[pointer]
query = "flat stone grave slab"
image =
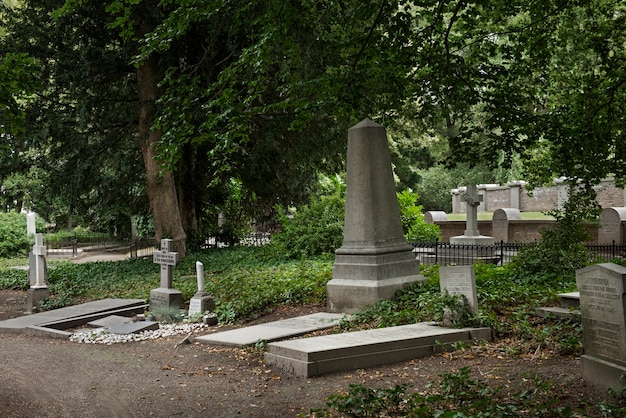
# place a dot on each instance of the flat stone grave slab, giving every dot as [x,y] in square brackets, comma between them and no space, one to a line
[116,324]
[273,331]
[355,350]
[49,318]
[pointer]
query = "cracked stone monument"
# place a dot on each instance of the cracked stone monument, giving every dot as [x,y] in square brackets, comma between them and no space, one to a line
[165,295]
[472,235]
[375,259]
[201,301]
[37,274]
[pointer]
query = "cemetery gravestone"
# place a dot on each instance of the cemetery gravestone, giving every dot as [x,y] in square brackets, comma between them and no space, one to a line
[602,305]
[37,274]
[458,280]
[165,295]
[375,259]
[472,235]
[201,301]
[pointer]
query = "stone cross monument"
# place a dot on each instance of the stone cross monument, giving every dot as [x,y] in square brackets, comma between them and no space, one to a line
[201,301]
[375,259]
[472,235]
[37,274]
[165,295]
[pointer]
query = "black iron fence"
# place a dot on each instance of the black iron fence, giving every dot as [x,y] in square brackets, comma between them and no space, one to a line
[446,253]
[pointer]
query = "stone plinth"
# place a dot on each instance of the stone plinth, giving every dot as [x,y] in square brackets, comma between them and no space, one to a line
[201,302]
[165,297]
[374,260]
[34,296]
[602,289]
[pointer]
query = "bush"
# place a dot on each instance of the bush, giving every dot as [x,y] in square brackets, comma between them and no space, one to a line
[318,228]
[13,238]
[413,225]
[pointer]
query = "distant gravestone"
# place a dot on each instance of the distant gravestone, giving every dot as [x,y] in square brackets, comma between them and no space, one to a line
[472,235]
[460,280]
[201,301]
[165,295]
[31,228]
[37,274]
[602,305]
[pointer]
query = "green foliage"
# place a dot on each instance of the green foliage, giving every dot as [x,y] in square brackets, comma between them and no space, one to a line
[318,228]
[413,225]
[561,251]
[455,394]
[245,281]
[167,314]
[13,238]
[312,230]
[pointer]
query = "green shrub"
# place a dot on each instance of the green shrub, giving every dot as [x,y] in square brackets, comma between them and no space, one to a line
[318,228]
[13,238]
[413,225]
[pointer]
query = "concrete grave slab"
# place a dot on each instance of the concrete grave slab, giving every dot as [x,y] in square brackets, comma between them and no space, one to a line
[70,315]
[353,350]
[123,325]
[273,331]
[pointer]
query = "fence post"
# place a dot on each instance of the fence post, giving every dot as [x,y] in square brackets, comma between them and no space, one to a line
[436,250]
[75,247]
[613,250]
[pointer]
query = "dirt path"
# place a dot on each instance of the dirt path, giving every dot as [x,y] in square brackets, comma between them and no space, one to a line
[57,378]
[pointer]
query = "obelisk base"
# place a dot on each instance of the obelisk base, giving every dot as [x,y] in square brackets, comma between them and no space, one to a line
[361,280]
[36,295]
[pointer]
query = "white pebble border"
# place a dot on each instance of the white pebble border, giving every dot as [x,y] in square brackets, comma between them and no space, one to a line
[165,330]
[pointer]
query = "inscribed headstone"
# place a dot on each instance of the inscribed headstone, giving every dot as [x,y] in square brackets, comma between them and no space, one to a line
[460,280]
[602,289]
[165,295]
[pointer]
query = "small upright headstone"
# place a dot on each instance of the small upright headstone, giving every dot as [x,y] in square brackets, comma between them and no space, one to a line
[602,289]
[201,301]
[165,295]
[460,280]
[31,228]
[37,274]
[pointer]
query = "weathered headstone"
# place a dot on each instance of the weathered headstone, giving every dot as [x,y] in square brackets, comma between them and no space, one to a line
[201,301]
[460,280]
[602,289]
[472,234]
[31,227]
[165,295]
[375,259]
[37,274]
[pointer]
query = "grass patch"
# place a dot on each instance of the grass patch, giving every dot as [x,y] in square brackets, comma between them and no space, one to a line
[245,281]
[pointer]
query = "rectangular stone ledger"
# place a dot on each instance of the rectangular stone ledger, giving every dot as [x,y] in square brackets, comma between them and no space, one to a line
[354,350]
[602,288]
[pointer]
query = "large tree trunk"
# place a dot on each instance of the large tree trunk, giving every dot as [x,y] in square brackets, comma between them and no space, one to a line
[185,188]
[160,184]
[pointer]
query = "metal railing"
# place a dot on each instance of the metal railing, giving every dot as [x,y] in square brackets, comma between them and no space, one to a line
[446,253]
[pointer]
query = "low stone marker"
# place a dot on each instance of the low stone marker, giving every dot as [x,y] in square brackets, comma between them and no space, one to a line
[37,274]
[201,301]
[602,305]
[165,295]
[460,280]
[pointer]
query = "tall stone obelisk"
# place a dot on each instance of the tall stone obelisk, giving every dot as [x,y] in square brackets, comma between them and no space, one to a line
[375,259]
